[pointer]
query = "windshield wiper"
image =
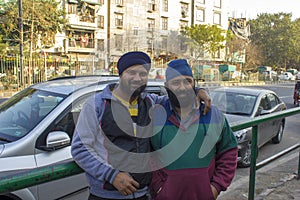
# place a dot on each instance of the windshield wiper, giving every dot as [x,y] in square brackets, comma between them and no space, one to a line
[5,139]
[237,113]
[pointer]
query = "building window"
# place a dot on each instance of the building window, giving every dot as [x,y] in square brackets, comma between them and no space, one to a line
[165,5]
[217,18]
[101,21]
[183,24]
[217,3]
[200,15]
[151,24]
[164,22]
[184,10]
[72,9]
[118,42]
[87,13]
[100,45]
[152,6]
[119,20]
[119,2]
[81,39]
[135,31]
[150,44]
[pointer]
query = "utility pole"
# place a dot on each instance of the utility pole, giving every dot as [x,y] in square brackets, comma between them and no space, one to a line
[108,33]
[193,12]
[21,41]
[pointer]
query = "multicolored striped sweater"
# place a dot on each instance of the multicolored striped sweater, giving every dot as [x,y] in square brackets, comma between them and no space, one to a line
[194,155]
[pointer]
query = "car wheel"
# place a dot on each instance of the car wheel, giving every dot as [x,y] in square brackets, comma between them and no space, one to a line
[277,139]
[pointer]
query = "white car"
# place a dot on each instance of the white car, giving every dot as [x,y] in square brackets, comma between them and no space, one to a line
[36,128]
[287,76]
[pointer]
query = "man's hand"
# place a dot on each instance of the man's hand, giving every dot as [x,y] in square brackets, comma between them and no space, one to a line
[214,191]
[125,184]
[202,95]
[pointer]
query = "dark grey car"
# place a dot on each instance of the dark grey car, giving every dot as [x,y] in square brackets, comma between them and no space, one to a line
[240,104]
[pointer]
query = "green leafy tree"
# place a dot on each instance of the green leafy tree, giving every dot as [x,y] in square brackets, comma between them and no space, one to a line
[277,36]
[42,19]
[204,39]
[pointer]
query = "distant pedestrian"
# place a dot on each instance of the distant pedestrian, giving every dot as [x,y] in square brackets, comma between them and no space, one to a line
[158,75]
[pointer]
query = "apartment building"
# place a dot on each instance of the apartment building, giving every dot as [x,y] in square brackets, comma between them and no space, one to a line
[100,31]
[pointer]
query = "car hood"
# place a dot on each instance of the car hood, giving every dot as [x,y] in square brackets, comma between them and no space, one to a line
[233,119]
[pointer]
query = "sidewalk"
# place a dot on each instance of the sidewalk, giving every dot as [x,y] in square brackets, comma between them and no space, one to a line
[275,181]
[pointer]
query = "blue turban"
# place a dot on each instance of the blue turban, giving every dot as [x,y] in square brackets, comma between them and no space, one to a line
[178,67]
[133,58]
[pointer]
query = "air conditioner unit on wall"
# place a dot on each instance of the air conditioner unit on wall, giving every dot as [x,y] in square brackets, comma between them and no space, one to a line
[184,13]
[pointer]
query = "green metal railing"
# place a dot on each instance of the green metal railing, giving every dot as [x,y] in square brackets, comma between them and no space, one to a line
[50,173]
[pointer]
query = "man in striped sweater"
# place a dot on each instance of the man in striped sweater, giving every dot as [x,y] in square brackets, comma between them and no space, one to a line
[198,153]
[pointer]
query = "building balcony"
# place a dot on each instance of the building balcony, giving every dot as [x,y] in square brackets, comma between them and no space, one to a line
[83,22]
[77,45]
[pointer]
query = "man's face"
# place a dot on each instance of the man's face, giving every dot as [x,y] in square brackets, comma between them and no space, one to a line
[181,91]
[133,80]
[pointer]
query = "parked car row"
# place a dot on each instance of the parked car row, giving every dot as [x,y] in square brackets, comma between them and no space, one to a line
[287,76]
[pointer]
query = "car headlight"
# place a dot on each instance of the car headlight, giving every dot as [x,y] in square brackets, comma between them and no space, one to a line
[241,134]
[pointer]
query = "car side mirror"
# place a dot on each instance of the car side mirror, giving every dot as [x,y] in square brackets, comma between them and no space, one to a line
[57,140]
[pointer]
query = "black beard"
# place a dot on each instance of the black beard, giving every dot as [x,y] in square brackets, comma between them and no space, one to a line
[183,103]
[173,99]
[137,92]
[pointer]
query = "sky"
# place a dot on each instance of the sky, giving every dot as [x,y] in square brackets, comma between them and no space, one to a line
[251,8]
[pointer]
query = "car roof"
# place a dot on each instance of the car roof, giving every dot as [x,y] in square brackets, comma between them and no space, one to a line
[70,84]
[245,90]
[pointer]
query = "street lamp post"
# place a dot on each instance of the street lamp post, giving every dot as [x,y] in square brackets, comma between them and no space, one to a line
[21,40]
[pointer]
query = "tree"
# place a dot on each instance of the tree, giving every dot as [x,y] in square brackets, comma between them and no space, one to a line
[42,19]
[204,39]
[278,38]
[253,53]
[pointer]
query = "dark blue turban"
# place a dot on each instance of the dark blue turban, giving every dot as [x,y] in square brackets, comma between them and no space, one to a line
[133,58]
[178,67]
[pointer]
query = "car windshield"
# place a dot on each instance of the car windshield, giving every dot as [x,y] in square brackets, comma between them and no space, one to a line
[233,103]
[21,113]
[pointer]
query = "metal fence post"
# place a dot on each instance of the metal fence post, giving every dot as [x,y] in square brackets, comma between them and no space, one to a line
[253,163]
[298,175]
